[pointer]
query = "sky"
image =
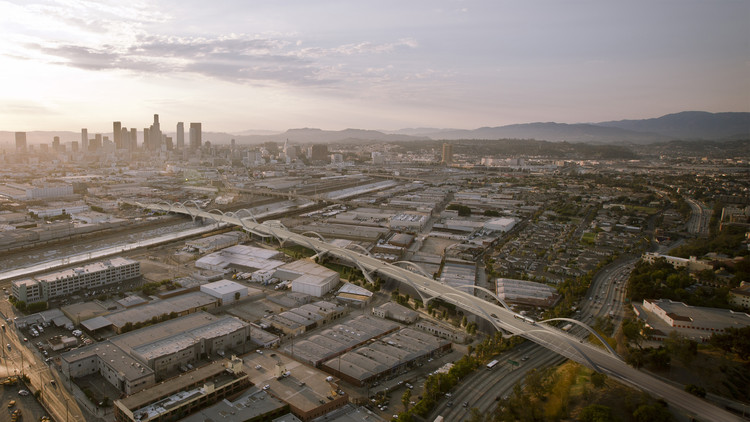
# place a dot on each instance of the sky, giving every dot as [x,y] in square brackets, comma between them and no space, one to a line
[236,65]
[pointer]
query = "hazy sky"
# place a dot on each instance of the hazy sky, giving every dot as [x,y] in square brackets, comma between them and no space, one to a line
[380,64]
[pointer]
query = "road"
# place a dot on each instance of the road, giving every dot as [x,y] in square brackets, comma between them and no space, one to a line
[58,400]
[699,218]
[501,317]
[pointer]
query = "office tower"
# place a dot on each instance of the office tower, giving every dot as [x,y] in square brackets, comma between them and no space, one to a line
[180,135]
[196,136]
[56,144]
[154,135]
[96,143]
[84,139]
[74,146]
[232,144]
[21,141]
[133,139]
[168,143]
[117,134]
[146,138]
[447,154]
[125,138]
[319,152]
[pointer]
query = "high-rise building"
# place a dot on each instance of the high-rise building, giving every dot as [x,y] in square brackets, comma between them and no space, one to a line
[96,143]
[74,146]
[447,154]
[180,135]
[146,138]
[125,138]
[21,141]
[133,139]
[84,139]
[117,134]
[56,144]
[196,135]
[154,135]
[319,152]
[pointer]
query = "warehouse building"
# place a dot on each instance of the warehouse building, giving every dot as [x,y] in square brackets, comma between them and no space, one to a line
[123,321]
[185,394]
[338,339]
[226,291]
[396,312]
[524,292]
[694,322]
[241,258]
[215,242]
[134,361]
[308,277]
[351,294]
[64,282]
[388,356]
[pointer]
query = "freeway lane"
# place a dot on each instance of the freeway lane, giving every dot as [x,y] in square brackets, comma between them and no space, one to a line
[502,318]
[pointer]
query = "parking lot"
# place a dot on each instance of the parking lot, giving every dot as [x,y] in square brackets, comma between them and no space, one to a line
[29,407]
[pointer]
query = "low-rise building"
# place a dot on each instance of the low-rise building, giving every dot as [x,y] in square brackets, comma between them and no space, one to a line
[308,277]
[526,292]
[696,322]
[692,264]
[396,312]
[740,297]
[226,291]
[59,283]
[441,331]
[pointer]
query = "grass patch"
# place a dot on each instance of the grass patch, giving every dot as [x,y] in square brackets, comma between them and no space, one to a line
[640,208]
[297,251]
[588,237]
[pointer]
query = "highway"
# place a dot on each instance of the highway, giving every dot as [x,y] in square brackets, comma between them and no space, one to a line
[699,218]
[428,289]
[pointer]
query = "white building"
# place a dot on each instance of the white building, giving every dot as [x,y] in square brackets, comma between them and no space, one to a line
[225,290]
[43,287]
[408,221]
[59,209]
[502,224]
[308,277]
[692,263]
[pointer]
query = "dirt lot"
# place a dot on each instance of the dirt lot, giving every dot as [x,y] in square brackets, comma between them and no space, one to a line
[436,245]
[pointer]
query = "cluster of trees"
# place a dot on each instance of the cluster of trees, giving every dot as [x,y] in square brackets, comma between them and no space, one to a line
[661,280]
[733,340]
[728,241]
[152,288]
[463,210]
[129,326]
[31,308]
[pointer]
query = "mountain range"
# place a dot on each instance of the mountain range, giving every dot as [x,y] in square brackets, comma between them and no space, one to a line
[688,125]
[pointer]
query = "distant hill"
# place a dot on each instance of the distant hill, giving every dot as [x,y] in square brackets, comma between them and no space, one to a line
[309,135]
[556,132]
[690,125]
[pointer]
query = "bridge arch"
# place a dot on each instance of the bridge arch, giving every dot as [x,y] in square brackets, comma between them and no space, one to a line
[417,267]
[322,239]
[572,344]
[250,214]
[484,313]
[491,293]
[362,248]
[589,329]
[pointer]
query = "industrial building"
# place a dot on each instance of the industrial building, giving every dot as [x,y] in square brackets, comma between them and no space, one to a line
[214,243]
[241,258]
[308,277]
[60,283]
[695,322]
[408,221]
[185,394]
[303,318]
[226,291]
[338,339]
[524,292]
[136,360]
[180,305]
[354,295]
[396,312]
[387,356]
[441,331]
[253,405]
[309,392]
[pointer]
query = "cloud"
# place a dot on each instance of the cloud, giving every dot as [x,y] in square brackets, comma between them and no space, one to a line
[235,58]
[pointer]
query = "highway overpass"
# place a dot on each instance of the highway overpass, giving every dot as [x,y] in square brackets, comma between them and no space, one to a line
[601,359]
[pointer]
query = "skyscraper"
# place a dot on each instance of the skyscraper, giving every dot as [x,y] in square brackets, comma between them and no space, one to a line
[180,135]
[84,139]
[154,135]
[146,138]
[56,144]
[125,139]
[21,141]
[196,135]
[447,154]
[117,134]
[133,139]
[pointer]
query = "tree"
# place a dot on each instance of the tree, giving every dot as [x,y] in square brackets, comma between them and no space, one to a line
[680,347]
[596,413]
[406,398]
[633,331]
[236,295]
[652,413]
[598,379]
[696,390]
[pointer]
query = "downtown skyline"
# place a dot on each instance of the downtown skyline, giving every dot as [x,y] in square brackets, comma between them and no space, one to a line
[452,64]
